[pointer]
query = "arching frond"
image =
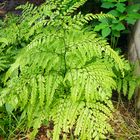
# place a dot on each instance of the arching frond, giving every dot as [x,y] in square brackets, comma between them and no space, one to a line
[87,118]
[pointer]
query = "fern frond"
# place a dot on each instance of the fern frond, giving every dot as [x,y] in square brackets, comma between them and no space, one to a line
[91,16]
[3,63]
[83,115]
[119,62]
[41,88]
[127,84]
[27,10]
[96,82]
[73,6]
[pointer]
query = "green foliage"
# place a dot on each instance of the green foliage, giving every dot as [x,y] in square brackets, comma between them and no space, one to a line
[128,83]
[124,14]
[63,72]
[8,36]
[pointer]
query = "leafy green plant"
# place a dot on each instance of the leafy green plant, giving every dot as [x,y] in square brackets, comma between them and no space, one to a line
[124,14]
[127,84]
[7,50]
[63,73]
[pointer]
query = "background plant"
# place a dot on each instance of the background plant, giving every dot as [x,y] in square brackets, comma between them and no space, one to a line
[63,72]
[125,15]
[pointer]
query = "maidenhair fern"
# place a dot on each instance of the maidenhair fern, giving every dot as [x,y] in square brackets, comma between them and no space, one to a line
[64,72]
